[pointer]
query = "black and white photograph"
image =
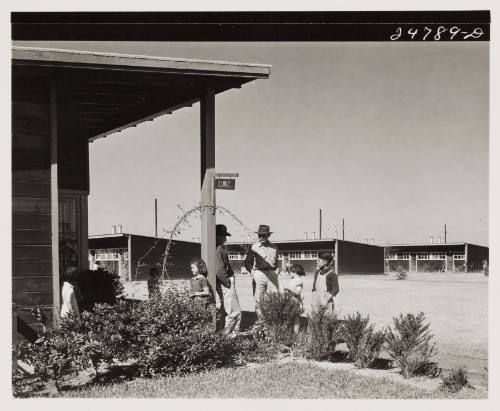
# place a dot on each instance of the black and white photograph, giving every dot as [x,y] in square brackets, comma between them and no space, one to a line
[250,205]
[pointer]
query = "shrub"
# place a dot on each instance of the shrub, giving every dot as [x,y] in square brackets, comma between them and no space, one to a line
[401,273]
[279,311]
[321,337]
[99,287]
[174,335]
[55,352]
[169,334]
[455,380]
[363,343]
[260,332]
[410,345]
[110,332]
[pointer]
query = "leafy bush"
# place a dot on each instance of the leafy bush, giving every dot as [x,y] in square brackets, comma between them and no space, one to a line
[321,337]
[401,273]
[279,311]
[410,345]
[455,380]
[166,335]
[55,352]
[109,332]
[363,343]
[260,332]
[99,287]
[174,335]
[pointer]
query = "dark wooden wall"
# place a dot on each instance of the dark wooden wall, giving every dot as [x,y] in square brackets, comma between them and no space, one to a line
[475,256]
[31,203]
[180,255]
[72,152]
[356,258]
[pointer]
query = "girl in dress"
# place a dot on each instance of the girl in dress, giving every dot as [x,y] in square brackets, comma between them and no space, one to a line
[295,285]
[199,283]
[69,292]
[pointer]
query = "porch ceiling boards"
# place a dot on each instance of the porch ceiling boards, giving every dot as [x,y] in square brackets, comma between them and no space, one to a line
[102,93]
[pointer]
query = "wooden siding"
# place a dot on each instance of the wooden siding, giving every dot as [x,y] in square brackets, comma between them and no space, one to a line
[27,268]
[356,258]
[178,266]
[475,256]
[73,161]
[31,204]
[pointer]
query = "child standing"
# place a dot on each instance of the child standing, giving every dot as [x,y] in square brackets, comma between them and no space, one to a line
[295,285]
[326,283]
[69,304]
[199,283]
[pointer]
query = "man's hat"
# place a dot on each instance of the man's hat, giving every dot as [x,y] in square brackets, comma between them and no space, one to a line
[263,229]
[221,229]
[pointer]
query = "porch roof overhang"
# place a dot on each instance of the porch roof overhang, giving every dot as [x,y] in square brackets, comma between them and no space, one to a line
[103,93]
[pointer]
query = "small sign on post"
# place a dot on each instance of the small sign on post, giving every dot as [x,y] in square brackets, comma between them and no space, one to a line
[222,181]
[225,183]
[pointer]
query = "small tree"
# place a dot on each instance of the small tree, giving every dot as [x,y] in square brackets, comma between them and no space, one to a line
[410,344]
[363,342]
[279,311]
[322,335]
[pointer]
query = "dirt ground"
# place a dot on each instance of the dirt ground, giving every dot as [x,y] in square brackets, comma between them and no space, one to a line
[455,304]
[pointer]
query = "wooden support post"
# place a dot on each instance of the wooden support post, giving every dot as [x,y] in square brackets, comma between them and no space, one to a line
[84,234]
[156,217]
[14,336]
[129,248]
[54,199]
[337,256]
[466,257]
[121,267]
[207,137]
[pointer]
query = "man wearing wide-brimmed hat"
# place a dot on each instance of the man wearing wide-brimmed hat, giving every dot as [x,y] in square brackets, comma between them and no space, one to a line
[226,288]
[262,262]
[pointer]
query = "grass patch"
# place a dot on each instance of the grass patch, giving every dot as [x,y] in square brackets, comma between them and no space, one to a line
[272,380]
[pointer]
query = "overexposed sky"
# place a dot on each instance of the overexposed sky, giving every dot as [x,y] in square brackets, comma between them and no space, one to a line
[392,137]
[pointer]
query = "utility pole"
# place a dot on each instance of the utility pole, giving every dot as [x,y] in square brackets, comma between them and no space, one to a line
[156,217]
[445,233]
[343,229]
[320,223]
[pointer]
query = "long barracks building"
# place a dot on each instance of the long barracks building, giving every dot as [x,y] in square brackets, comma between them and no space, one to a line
[132,256]
[453,257]
[350,257]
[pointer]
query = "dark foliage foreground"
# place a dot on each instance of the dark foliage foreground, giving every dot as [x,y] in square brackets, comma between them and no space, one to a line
[170,334]
[455,380]
[98,287]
